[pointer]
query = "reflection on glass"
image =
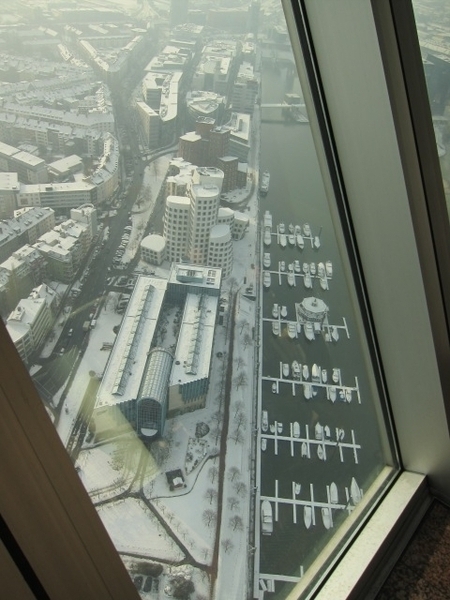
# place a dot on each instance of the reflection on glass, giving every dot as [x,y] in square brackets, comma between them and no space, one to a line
[432,28]
[172,278]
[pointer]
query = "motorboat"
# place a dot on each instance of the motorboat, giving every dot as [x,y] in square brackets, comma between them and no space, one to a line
[355,492]
[320,452]
[320,269]
[309,331]
[296,370]
[307,281]
[266,260]
[312,268]
[292,330]
[305,267]
[296,429]
[297,488]
[348,395]
[334,333]
[336,375]
[334,496]
[304,450]
[291,228]
[275,328]
[275,311]
[307,230]
[267,236]
[316,242]
[283,241]
[274,388]
[318,431]
[281,228]
[264,420]
[326,517]
[324,375]
[267,219]
[265,181]
[316,373]
[272,428]
[300,241]
[340,434]
[283,311]
[305,372]
[279,428]
[263,444]
[267,279]
[282,265]
[291,278]
[266,518]
[327,432]
[291,239]
[285,370]
[329,268]
[332,393]
[307,391]
[307,515]
[299,327]
[323,282]
[297,267]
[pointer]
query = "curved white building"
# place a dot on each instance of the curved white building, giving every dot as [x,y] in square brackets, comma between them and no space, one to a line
[176,227]
[153,249]
[220,251]
[204,206]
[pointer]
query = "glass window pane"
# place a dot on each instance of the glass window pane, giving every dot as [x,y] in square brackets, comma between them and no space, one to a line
[178,282]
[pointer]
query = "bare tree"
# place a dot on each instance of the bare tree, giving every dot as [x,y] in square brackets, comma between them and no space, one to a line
[227,545]
[243,324]
[240,488]
[247,340]
[209,517]
[236,523]
[210,494]
[216,434]
[240,362]
[233,503]
[238,406]
[237,436]
[233,473]
[213,472]
[241,420]
[217,416]
[241,379]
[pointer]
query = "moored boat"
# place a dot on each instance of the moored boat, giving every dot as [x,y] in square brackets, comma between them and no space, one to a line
[307,281]
[316,242]
[291,239]
[336,375]
[307,230]
[326,517]
[307,515]
[285,370]
[334,497]
[312,268]
[264,420]
[355,492]
[329,268]
[334,333]
[297,488]
[272,428]
[307,391]
[327,432]
[323,282]
[291,228]
[265,181]
[283,241]
[282,265]
[305,372]
[281,228]
[266,260]
[292,330]
[275,328]
[267,279]
[300,241]
[279,428]
[263,444]
[305,267]
[304,450]
[267,219]
[296,429]
[275,311]
[348,395]
[296,371]
[274,387]
[332,393]
[315,372]
[297,267]
[283,311]
[320,269]
[318,431]
[321,452]
[291,278]
[267,236]
[309,330]
[324,375]
[266,518]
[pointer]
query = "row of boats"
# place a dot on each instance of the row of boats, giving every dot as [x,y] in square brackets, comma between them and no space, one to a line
[355,496]
[309,270]
[310,329]
[295,235]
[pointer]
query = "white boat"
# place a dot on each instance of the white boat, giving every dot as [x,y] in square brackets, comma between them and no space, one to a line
[306,230]
[307,391]
[267,219]
[323,282]
[266,518]
[272,428]
[305,372]
[340,434]
[275,328]
[336,375]
[320,452]
[297,229]
[332,393]
[309,330]
[327,432]
[279,428]
[274,387]
[329,268]
[266,260]
[334,496]
[324,375]
[291,228]
[305,267]
[281,228]
[334,333]
[307,515]
[318,431]
[285,370]
[316,242]
[263,444]
[320,269]
[304,450]
[291,278]
[291,239]
[264,420]
[297,488]
[297,267]
[296,371]
[348,395]
[283,241]
[267,236]
[316,372]
[300,241]
[307,281]
[312,268]
[355,492]
[283,312]
[282,265]
[275,311]
[265,181]
[292,330]
[296,429]
[267,279]
[326,517]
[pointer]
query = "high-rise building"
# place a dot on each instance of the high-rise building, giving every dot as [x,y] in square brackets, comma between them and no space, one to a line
[179,10]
